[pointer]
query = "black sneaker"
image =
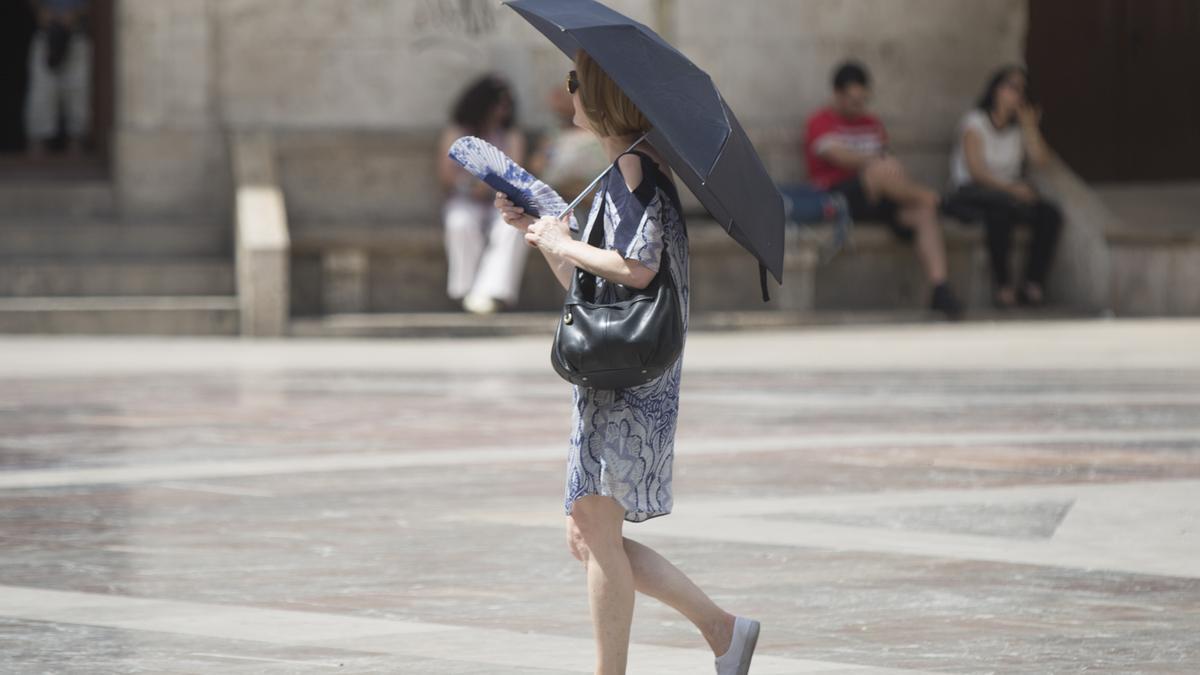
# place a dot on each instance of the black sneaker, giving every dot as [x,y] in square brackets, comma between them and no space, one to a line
[946,302]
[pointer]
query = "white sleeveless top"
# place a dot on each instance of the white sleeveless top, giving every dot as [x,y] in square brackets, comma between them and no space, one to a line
[1003,149]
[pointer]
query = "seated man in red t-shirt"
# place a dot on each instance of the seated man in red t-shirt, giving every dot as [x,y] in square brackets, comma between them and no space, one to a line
[847,152]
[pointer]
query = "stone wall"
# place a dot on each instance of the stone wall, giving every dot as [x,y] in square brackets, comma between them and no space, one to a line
[929,59]
[171,151]
[190,71]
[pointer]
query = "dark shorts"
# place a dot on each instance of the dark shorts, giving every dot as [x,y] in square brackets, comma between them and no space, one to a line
[863,210]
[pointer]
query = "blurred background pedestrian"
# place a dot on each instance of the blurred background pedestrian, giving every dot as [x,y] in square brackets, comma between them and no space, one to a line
[486,257]
[997,142]
[847,150]
[60,74]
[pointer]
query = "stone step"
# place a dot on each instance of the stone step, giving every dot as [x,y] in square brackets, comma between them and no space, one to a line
[1155,270]
[86,238]
[451,324]
[459,324]
[26,198]
[116,277]
[406,270]
[146,315]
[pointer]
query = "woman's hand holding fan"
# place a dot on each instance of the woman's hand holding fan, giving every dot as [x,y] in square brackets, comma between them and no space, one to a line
[521,192]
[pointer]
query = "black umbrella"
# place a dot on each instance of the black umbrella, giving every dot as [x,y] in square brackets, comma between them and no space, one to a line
[693,128]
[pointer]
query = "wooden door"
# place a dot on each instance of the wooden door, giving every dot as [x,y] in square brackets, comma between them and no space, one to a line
[1119,81]
[103,67]
[16,31]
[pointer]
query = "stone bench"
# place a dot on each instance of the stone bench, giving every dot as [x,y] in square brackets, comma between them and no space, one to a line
[366,237]
[401,267]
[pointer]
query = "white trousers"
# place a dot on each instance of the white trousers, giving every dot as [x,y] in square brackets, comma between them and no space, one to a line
[70,87]
[486,256]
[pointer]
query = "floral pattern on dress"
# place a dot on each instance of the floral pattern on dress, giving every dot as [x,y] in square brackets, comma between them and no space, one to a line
[623,441]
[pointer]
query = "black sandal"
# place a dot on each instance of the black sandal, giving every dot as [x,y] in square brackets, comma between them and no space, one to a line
[1024,298]
[998,304]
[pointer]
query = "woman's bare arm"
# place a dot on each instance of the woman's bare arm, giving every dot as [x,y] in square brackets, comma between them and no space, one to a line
[560,266]
[515,216]
[563,254]
[552,237]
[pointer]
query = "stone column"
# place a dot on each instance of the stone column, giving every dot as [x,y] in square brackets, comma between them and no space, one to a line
[262,243]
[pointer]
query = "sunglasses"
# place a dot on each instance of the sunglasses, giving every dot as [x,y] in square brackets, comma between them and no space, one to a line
[572,82]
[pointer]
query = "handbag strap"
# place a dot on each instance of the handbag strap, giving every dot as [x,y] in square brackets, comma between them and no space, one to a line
[584,279]
[587,280]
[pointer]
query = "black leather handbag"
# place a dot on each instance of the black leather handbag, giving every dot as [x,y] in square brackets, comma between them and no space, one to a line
[617,337]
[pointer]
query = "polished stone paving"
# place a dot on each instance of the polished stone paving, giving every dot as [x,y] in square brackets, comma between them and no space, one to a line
[1008,498]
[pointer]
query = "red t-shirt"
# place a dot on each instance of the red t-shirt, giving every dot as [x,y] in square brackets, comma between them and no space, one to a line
[826,127]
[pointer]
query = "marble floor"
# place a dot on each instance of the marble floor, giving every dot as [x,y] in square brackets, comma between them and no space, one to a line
[985,498]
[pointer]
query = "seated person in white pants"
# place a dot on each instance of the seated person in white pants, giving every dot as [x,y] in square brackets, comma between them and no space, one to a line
[486,257]
[60,73]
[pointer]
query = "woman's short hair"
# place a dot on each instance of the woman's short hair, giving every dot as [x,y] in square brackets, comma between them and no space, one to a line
[608,109]
[987,102]
[476,103]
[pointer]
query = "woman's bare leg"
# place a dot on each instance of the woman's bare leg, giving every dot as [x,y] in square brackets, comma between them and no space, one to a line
[598,522]
[655,576]
[650,574]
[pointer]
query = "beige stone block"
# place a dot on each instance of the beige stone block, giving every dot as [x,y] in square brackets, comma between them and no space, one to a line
[415,283]
[345,275]
[877,274]
[163,61]
[173,173]
[930,58]
[1183,294]
[360,176]
[880,272]
[1083,276]
[1156,274]
[798,293]
[263,289]
[304,280]
[263,243]
[372,63]
[1141,274]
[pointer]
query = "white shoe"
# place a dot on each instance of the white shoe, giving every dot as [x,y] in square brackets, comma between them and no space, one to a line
[736,660]
[480,304]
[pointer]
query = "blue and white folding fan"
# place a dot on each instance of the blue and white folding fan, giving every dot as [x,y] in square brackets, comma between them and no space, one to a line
[490,165]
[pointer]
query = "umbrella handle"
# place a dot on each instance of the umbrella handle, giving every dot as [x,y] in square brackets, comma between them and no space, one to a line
[592,186]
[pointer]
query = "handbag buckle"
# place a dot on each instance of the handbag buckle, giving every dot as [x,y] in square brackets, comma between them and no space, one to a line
[568,319]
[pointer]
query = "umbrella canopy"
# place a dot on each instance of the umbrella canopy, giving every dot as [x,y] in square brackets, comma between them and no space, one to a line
[693,128]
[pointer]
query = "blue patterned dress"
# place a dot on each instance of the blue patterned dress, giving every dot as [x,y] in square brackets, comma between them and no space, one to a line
[623,441]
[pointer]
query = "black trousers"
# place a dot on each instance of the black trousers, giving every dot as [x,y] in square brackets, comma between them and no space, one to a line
[1001,213]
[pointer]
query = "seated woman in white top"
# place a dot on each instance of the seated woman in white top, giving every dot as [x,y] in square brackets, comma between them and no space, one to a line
[996,142]
[485,258]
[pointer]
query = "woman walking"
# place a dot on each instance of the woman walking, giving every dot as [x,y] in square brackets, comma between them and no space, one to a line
[622,445]
[996,142]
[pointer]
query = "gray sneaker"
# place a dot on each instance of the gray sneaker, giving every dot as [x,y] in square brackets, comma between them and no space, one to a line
[736,660]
